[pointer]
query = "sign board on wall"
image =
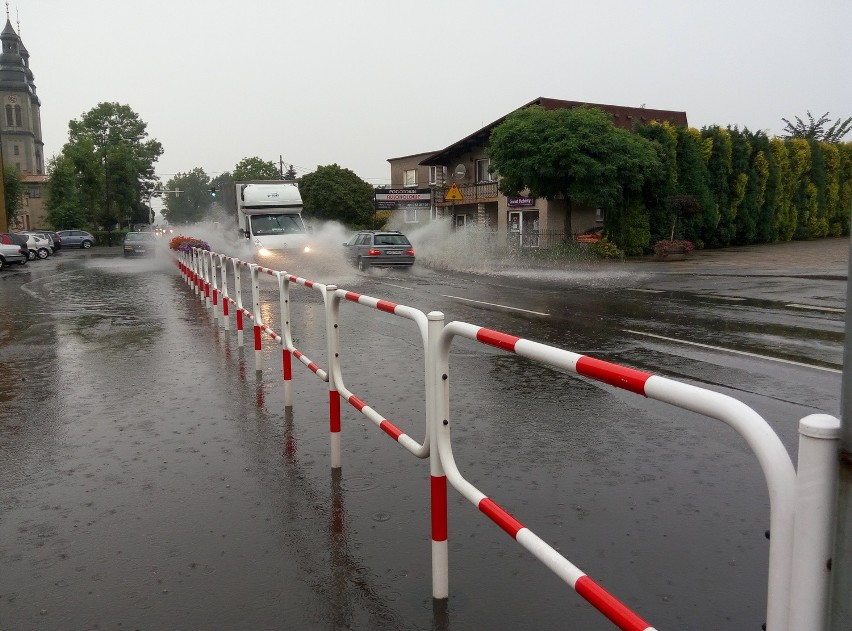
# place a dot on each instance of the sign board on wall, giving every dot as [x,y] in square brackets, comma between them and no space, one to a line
[520,202]
[403,198]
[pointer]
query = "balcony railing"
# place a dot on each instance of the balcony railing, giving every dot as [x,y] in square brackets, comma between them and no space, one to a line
[472,193]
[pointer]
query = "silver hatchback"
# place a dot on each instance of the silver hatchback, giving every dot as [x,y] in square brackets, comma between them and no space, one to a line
[378,248]
[77,238]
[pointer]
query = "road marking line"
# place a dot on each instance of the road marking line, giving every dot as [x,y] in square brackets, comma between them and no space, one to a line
[815,308]
[646,291]
[397,286]
[732,298]
[730,350]
[491,304]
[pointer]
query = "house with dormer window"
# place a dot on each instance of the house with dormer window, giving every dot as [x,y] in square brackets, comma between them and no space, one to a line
[524,221]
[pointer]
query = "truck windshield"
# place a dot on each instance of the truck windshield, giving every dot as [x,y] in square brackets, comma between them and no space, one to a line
[276,224]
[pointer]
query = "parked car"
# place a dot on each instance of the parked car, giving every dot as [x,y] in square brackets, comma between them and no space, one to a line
[140,244]
[13,238]
[379,248]
[38,247]
[77,238]
[50,235]
[44,234]
[12,253]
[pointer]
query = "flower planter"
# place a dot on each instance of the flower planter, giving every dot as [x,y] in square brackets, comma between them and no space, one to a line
[673,250]
[672,254]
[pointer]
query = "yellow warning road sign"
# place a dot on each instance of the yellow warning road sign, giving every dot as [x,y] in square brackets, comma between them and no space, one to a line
[454,194]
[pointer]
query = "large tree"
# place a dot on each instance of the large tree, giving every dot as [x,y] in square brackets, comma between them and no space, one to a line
[332,192]
[815,129]
[64,206]
[13,192]
[114,161]
[194,201]
[577,154]
[255,169]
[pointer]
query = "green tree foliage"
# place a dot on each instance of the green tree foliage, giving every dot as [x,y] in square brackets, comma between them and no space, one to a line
[65,208]
[815,129]
[194,201]
[720,168]
[114,161]
[14,192]
[334,193]
[255,169]
[577,154]
[290,173]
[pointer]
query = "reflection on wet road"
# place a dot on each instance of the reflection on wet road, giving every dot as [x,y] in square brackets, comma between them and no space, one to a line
[150,479]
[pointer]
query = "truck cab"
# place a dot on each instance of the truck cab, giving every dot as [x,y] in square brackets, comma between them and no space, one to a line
[270,215]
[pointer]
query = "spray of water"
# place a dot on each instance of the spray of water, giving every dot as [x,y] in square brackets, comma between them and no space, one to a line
[437,245]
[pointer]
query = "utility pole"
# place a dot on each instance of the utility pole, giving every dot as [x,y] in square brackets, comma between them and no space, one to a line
[840,606]
[281,166]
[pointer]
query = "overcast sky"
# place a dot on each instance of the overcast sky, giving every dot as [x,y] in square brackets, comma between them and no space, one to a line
[356,83]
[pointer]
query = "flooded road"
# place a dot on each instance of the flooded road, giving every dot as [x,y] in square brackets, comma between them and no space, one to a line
[150,479]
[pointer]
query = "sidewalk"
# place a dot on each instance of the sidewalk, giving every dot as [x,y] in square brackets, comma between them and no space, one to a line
[824,258]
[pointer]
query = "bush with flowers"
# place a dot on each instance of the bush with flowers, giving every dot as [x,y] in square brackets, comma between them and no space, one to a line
[185,244]
[675,246]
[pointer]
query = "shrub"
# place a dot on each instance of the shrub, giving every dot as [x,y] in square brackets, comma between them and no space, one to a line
[607,249]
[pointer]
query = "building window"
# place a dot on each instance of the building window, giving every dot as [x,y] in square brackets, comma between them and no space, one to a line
[18,116]
[17,150]
[35,191]
[433,175]
[482,174]
[409,177]
[410,215]
[9,120]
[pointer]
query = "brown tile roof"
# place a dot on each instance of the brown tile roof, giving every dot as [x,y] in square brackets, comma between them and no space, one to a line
[624,117]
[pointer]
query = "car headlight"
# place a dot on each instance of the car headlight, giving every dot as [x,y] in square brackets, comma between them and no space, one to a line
[307,249]
[263,252]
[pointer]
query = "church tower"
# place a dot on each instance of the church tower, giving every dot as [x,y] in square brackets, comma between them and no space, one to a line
[20,124]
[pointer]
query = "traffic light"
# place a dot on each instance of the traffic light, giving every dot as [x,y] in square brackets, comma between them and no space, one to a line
[213,191]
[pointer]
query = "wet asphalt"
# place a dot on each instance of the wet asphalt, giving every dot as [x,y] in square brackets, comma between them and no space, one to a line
[150,479]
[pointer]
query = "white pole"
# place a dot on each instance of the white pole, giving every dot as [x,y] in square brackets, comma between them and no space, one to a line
[258,321]
[332,334]
[434,398]
[813,535]
[226,306]
[238,292]
[286,337]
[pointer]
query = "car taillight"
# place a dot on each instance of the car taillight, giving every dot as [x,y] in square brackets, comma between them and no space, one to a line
[373,252]
[411,253]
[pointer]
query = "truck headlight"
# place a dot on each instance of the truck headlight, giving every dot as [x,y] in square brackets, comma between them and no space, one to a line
[263,252]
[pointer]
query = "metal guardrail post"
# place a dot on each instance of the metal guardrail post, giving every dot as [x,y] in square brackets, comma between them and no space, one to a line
[816,503]
[437,477]
[238,292]
[196,272]
[332,334]
[206,266]
[214,276]
[258,320]
[223,265]
[286,355]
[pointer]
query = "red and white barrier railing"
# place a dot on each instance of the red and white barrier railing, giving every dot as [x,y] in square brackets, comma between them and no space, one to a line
[801,507]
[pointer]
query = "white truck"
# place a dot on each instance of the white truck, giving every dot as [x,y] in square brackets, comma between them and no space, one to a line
[269,214]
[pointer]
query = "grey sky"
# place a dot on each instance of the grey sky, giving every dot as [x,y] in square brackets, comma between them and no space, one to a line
[356,83]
